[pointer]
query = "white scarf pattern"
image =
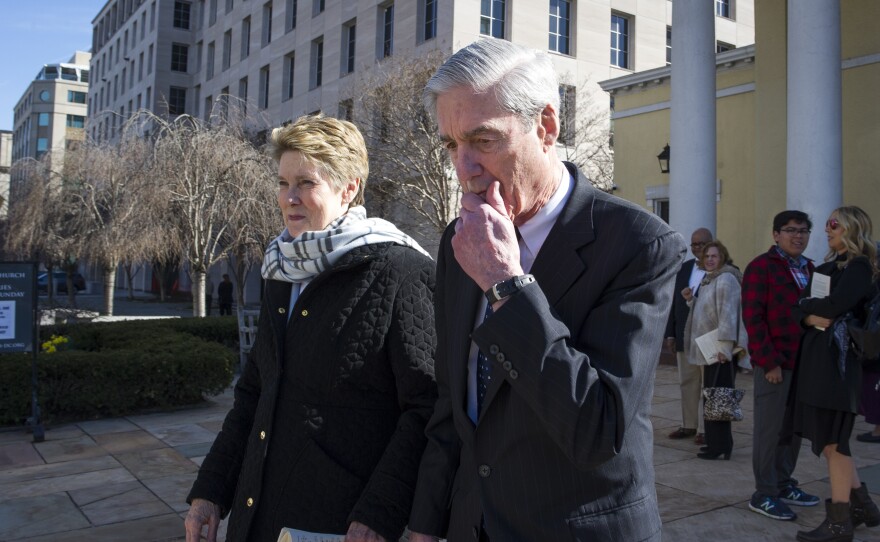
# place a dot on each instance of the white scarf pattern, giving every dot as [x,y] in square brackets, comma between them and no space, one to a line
[307,255]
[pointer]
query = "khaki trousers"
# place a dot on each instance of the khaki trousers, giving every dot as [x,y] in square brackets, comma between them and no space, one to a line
[690,379]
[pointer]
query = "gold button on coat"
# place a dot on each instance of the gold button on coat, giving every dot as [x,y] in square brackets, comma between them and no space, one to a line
[250,501]
[305,312]
[262,435]
[281,310]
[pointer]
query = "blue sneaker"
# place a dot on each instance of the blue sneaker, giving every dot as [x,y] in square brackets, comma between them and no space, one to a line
[794,496]
[771,507]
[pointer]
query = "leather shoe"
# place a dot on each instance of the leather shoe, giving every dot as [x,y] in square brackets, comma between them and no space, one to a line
[700,439]
[867,437]
[681,433]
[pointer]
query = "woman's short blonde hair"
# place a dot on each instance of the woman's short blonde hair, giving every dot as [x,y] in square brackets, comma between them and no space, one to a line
[722,251]
[335,146]
[856,237]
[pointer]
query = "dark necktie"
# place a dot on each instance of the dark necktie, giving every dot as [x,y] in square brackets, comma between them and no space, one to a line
[484,370]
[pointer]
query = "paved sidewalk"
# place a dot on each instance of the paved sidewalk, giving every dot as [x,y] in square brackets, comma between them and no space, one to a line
[126,478]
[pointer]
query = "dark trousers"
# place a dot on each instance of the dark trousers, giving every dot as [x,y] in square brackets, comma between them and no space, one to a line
[226,308]
[772,462]
[719,436]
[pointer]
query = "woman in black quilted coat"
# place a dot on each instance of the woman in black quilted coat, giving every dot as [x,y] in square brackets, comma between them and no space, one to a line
[823,400]
[327,429]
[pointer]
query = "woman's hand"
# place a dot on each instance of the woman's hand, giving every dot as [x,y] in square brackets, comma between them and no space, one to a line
[202,512]
[687,294]
[818,321]
[721,357]
[358,532]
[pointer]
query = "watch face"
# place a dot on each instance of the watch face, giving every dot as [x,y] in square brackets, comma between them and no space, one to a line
[44,95]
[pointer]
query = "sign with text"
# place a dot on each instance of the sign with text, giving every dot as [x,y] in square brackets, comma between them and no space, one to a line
[17,298]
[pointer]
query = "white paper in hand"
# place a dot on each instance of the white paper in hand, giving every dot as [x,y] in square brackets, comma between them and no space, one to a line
[709,346]
[820,288]
[295,535]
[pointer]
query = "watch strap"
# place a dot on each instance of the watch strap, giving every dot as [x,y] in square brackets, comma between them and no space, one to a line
[506,288]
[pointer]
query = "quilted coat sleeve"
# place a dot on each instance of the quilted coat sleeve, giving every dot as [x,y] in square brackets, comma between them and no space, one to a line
[385,503]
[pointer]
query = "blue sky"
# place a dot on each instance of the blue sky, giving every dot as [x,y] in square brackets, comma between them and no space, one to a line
[37,32]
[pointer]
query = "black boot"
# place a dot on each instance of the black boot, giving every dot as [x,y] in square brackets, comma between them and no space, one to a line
[862,508]
[837,526]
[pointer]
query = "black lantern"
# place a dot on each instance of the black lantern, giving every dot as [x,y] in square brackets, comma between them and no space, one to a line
[663,158]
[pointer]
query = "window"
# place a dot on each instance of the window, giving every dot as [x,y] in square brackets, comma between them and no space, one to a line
[150,60]
[317,70]
[346,109]
[492,18]
[227,49]
[223,103]
[245,37]
[668,45]
[567,114]
[68,74]
[229,5]
[212,13]
[181,14]
[134,32]
[290,16]
[122,85]
[76,121]
[149,99]
[179,57]
[74,96]
[720,47]
[209,61]
[209,106]
[289,65]
[200,46]
[267,23]
[429,19]
[348,47]
[143,24]
[264,87]
[84,76]
[620,33]
[387,31]
[560,21]
[661,209]
[317,7]
[722,8]
[42,144]
[176,101]
[153,16]
[43,119]
[243,94]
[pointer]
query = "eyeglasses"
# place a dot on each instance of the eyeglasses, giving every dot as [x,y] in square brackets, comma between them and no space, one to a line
[795,231]
[696,245]
[832,224]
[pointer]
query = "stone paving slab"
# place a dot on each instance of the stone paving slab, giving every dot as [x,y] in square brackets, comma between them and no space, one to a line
[172,490]
[45,486]
[156,463]
[113,503]
[182,434]
[52,470]
[159,528]
[19,454]
[129,441]
[102,427]
[39,515]
[55,450]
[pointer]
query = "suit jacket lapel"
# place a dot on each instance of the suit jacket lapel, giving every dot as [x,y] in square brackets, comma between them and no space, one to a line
[462,298]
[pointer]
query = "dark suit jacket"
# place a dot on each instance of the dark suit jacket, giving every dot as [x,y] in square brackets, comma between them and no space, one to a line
[679,314]
[563,450]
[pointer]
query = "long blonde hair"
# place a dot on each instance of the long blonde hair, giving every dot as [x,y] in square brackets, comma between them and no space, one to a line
[856,237]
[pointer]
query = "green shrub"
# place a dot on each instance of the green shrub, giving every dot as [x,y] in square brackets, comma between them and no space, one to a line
[117,368]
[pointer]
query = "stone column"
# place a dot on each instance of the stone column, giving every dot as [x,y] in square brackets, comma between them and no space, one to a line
[692,185]
[814,180]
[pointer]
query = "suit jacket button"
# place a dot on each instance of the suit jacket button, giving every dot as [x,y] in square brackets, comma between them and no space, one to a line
[513,374]
[484,471]
[494,349]
[507,365]
[281,310]
[262,435]
[250,502]
[500,357]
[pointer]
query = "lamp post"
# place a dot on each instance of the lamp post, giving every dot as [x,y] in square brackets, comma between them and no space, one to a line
[663,158]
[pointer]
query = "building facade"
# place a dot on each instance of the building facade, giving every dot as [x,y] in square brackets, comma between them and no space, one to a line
[51,114]
[5,163]
[284,58]
[795,127]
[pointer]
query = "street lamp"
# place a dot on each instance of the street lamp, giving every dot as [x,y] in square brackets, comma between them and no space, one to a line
[663,158]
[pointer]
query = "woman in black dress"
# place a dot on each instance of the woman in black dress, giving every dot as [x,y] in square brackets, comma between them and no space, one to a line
[825,395]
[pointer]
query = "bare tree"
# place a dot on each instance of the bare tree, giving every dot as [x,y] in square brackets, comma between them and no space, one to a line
[203,168]
[409,167]
[585,138]
[110,182]
[39,221]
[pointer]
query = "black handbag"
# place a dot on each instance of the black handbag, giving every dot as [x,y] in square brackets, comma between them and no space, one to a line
[865,334]
[722,404]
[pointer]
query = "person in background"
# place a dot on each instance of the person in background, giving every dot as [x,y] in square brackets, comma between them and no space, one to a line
[827,381]
[328,423]
[690,376]
[224,296]
[772,284]
[552,298]
[716,305]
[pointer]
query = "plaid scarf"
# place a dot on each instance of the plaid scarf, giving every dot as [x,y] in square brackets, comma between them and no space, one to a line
[307,255]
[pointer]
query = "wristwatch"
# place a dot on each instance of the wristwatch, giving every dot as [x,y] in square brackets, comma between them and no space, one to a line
[508,287]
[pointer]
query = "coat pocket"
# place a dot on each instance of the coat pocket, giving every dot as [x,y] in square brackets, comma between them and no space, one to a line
[633,522]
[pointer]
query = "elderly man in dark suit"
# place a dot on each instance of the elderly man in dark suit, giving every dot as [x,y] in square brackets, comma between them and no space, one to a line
[690,376]
[551,304]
